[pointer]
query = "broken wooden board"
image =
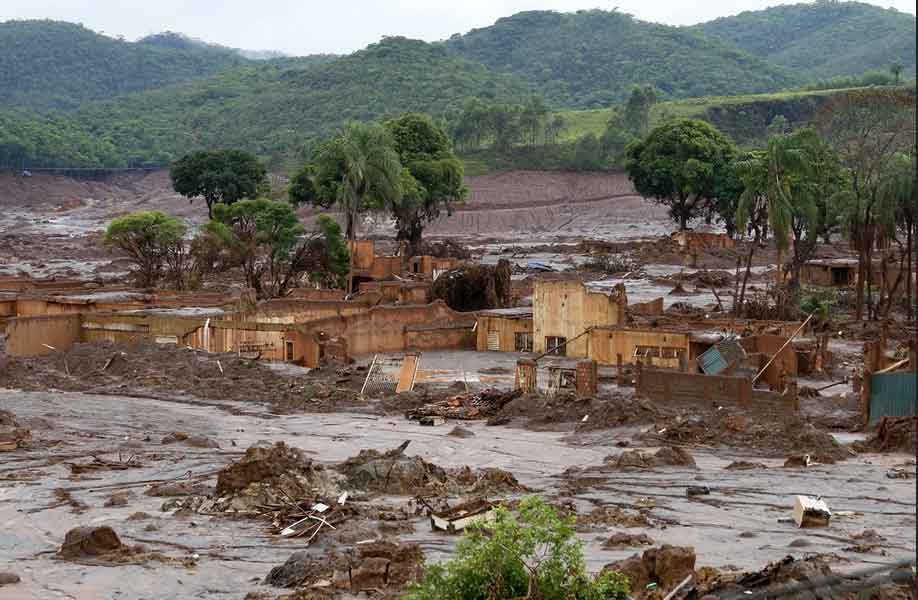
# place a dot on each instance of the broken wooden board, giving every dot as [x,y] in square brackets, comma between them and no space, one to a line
[459,517]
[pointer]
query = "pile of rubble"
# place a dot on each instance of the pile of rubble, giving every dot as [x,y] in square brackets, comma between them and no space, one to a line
[893,434]
[379,566]
[154,370]
[480,405]
[778,437]
[666,456]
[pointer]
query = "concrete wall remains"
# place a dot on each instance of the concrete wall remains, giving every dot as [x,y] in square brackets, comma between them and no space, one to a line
[501,333]
[387,328]
[653,347]
[34,336]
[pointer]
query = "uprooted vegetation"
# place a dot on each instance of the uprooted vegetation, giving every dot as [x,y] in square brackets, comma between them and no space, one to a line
[475,287]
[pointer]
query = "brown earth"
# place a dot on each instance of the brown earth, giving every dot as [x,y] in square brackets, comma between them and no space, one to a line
[259,464]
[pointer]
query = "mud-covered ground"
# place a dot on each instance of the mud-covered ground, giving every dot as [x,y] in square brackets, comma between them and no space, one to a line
[742,524]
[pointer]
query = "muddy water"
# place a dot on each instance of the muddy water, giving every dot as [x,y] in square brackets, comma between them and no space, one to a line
[233,554]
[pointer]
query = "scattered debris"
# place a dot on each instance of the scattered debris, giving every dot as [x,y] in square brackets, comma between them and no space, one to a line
[459,517]
[12,434]
[101,464]
[390,471]
[697,490]
[193,440]
[665,456]
[466,406]
[893,434]
[666,566]
[8,578]
[259,464]
[622,540]
[743,465]
[475,287]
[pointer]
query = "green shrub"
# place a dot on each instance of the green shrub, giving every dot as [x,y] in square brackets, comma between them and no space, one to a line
[533,554]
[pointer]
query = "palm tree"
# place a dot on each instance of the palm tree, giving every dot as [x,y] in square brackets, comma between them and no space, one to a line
[358,170]
[768,177]
[370,172]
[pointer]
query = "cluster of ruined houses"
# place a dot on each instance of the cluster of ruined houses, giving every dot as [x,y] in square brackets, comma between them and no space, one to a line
[673,359]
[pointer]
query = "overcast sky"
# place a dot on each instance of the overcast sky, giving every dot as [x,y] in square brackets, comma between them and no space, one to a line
[339,26]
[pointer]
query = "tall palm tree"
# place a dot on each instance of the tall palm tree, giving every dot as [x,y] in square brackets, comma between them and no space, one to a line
[370,172]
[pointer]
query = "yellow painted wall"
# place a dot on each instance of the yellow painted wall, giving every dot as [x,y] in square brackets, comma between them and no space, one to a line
[607,343]
[506,328]
[567,309]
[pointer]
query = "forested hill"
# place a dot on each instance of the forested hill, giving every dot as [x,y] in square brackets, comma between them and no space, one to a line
[273,108]
[592,58]
[822,39]
[56,65]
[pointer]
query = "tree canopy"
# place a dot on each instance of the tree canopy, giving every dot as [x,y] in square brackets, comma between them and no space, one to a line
[427,157]
[680,164]
[223,176]
[148,238]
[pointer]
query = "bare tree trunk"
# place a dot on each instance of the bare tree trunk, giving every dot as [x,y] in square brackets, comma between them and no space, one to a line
[859,293]
[908,282]
[742,295]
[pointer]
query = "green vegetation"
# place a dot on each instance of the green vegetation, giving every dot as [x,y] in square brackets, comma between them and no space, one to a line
[50,64]
[680,164]
[30,141]
[223,176]
[357,170]
[151,240]
[431,177]
[592,58]
[822,39]
[276,110]
[266,240]
[534,555]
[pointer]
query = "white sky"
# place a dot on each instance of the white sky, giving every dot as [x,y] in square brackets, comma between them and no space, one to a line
[338,26]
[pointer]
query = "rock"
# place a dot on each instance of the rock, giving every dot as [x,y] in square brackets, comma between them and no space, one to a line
[89,541]
[742,465]
[299,568]
[460,432]
[666,566]
[259,464]
[632,459]
[673,455]
[391,471]
[621,540]
[194,440]
[697,490]
[118,499]
[8,578]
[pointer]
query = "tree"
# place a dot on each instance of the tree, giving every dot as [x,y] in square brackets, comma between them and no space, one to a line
[896,70]
[149,238]
[679,164]
[224,176]
[535,555]
[867,128]
[431,179]
[898,211]
[357,170]
[266,240]
[637,109]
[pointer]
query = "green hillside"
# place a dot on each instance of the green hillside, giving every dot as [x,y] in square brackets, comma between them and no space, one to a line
[592,58]
[273,108]
[50,64]
[744,118]
[822,39]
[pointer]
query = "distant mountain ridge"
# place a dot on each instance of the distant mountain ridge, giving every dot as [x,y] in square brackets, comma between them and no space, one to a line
[592,58]
[147,102]
[822,39]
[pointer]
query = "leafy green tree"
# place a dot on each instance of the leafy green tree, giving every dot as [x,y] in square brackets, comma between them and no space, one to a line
[867,128]
[358,170]
[428,159]
[223,176]
[535,555]
[679,164]
[149,238]
[266,240]
[896,70]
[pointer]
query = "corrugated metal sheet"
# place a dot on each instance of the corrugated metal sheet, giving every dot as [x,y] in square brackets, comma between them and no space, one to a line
[893,395]
[717,358]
